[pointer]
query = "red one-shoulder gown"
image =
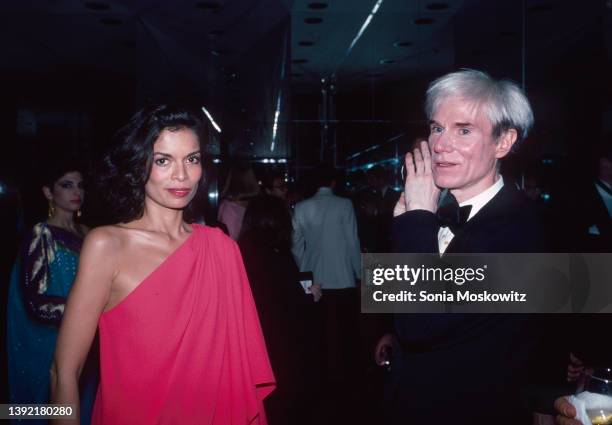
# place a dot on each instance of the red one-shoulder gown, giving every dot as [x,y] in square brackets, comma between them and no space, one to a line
[185,347]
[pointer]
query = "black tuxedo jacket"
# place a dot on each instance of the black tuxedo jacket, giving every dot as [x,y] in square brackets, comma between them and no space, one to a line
[465,368]
[507,223]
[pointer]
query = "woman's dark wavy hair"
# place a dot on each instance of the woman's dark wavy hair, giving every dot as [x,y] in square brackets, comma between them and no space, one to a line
[125,169]
[56,168]
[267,221]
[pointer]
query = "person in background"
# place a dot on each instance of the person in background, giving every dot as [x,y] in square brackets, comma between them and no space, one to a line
[325,242]
[41,279]
[274,184]
[287,313]
[594,212]
[240,186]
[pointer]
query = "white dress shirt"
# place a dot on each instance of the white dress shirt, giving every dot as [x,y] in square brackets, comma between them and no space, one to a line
[325,240]
[445,235]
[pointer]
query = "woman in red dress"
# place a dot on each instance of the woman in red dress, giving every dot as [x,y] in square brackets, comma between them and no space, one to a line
[180,341]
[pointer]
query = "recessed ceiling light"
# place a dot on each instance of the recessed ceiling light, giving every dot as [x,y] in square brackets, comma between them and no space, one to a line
[306,43]
[208,5]
[96,5]
[299,61]
[437,6]
[403,43]
[424,21]
[386,61]
[312,21]
[317,5]
[111,22]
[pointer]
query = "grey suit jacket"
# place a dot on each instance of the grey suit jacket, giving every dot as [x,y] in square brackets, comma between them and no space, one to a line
[325,240]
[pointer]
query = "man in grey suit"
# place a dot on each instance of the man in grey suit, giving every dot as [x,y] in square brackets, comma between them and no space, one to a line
[325,242]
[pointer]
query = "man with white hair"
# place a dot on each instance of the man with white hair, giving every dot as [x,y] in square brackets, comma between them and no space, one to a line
[475,121]
[450,368]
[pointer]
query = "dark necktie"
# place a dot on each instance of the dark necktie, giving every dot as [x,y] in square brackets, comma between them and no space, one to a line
[451,215]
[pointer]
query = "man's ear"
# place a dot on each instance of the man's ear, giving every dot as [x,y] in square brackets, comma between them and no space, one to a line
[505,143]
[47,192]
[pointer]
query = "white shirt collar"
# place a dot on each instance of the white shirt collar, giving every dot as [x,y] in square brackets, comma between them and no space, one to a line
[480,200]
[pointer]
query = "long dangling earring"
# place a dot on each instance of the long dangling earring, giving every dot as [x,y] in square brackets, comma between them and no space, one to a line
[78,213]
[51,211]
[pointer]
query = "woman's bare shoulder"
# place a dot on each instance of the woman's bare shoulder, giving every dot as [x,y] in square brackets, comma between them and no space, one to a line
[105,239]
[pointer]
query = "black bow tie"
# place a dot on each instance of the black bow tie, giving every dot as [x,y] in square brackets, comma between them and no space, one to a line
[451,215]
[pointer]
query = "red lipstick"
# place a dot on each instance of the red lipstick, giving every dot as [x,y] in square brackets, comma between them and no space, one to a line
[179,192]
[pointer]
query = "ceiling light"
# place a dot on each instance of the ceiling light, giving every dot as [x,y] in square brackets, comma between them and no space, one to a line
[210,118]
[313,21]
[317,5]
[275,124]
[364,26]
[424,21]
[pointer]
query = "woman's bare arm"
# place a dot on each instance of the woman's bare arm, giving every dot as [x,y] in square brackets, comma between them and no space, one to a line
[87,299]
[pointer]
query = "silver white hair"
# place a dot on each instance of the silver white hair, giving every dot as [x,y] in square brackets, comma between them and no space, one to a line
[502,101]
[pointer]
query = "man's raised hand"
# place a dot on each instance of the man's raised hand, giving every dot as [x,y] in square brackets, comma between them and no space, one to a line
[420,191]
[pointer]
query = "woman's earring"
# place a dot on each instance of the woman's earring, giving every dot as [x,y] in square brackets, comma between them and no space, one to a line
[51,211]
[78,213]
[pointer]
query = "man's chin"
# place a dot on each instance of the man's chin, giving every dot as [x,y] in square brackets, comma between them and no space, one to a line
[445,184]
